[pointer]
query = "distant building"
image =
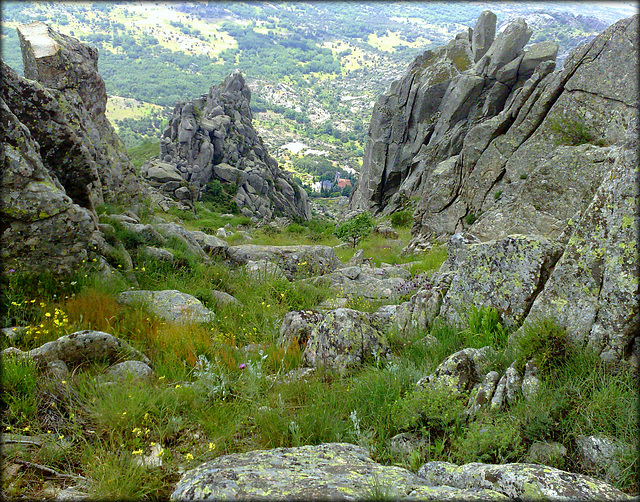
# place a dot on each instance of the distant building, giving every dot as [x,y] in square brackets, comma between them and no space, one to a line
[343,182]
[327,185]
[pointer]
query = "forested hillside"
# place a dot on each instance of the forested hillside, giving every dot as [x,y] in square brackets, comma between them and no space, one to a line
[315,68]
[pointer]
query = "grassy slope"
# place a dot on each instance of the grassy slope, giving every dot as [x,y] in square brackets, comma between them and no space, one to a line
[211,395]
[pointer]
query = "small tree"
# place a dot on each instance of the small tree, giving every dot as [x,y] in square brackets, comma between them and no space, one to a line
[355,229]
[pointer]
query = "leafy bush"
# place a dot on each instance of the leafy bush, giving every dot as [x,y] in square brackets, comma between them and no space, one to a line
[470,219]
[573,132]
[401,219]
[484,327]
[437,411]
[545,342]
[221,196]
[493,441]
[355,229]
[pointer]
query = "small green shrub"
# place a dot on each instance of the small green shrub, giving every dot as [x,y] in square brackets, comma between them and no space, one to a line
[573,132]
[493,440]
[497,195]
[484,327]
[355,229]
[401,219]
[437,410]
[19,384]
[470,219]
[220,196]
[544,342]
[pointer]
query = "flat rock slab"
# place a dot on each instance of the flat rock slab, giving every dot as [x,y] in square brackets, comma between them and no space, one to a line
[294,260]
[170,304]
[334,471]
[521,481]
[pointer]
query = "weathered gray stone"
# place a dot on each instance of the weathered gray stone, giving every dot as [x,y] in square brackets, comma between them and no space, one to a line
[345,339]
[43,229]
[530,381]
[298,325]
[212,138]
[386,230]
[593,290]
[482,393]
[505,48]
[294,260]
[458,373]
[505,275]
[601,455]
[521,481]
[536,54]
[223,298]
[157,253]
[81,347]
[171,305]
[130,369]
[483,34]
[334,471]
[513,385]
[419,312]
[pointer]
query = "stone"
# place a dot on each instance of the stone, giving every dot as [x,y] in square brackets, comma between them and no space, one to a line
[298,325]
[82,347]
[457,373]
[157,253]
[345,339]
[592,291]
[513,384]
[483,34]
[42,227]
[171,305]
[56,369]
[505,47]
[536,54]
[419,312]
[482,393]
[530,381]
[386,230]
[69,69]
[213,138]
[130,369]
[498,399]
[332,471]
[505,275]
[356,260]
[601,455]
[294,260]
[223,298]
[521,481]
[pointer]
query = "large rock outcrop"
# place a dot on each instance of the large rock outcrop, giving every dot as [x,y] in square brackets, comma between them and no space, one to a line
[68,119]
[424,118]
[60,155]
[513,151]
[212,138]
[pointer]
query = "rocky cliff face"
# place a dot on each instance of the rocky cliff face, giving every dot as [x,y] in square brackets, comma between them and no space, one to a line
[425,117]
[60,155]
[212,138]
[508,147]
[75,94]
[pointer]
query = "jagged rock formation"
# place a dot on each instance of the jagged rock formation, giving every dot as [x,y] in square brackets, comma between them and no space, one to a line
[425,117]
[60,155]
[68,70]
[212,138]
[513,148]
